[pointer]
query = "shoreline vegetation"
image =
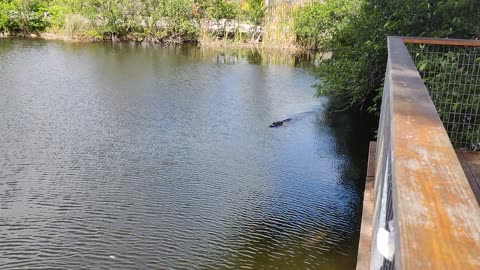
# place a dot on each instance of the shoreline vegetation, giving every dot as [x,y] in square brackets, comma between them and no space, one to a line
[282,25]
[353,32]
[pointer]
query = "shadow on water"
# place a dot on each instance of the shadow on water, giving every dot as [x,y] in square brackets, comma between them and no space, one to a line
[275,236]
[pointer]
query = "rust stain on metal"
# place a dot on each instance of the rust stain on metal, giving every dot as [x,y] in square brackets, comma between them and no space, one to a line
[436,213]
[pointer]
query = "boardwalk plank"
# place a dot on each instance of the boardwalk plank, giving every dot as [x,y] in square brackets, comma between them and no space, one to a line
[365,242]
[471,165]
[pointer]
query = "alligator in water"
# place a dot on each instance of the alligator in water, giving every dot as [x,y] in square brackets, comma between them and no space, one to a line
[297,116]
[280,123]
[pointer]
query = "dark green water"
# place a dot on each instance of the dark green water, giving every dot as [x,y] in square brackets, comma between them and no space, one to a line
[134,157]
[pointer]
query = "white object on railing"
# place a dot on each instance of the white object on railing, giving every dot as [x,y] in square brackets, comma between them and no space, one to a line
[380,246]
[386,241]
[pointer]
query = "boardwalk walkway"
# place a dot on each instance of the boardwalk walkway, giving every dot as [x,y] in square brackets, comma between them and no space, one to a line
[471,165]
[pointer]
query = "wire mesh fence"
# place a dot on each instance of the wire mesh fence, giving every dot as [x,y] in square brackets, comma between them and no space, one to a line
[452,77]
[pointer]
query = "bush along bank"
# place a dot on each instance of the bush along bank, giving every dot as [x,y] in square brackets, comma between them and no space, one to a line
[207,22]
[162,21]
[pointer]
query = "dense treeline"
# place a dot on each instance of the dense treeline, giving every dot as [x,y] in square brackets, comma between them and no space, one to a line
[305,24]
[314,24]
[285,24]
[356,71]
[162,20]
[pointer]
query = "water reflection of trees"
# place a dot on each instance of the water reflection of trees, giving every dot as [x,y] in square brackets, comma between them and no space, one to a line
[255,56]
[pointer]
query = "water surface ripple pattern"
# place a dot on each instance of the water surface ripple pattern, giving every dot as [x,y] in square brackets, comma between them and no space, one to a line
[133,157]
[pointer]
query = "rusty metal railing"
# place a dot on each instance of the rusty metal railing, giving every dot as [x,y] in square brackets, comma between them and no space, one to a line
[451,72]
[426,215]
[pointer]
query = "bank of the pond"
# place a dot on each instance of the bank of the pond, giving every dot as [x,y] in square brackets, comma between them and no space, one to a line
[291,25]
[210,43]
[219,23]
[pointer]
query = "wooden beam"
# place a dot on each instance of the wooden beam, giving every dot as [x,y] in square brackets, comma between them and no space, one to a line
[442,41]
[365,242]
[471,166]
[436,215]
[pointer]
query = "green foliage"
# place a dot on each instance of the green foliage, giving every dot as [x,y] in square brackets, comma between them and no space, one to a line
[456,101]
[115,17]
[278,29]
[75,25]
[356,71]
[314,24]
[163,20]
[6,8]
[59,10]
[254,11]
[179,16]
[26,16]
[221,9]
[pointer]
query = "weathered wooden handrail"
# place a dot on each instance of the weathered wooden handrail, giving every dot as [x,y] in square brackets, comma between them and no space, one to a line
[421,187]
[442,41]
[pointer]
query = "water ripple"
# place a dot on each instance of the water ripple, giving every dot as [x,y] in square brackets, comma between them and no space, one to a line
[149,158]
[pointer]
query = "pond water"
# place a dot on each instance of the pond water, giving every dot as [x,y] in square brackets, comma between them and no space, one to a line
[138,157]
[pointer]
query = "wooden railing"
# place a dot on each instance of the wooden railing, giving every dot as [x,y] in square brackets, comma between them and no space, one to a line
[426,215]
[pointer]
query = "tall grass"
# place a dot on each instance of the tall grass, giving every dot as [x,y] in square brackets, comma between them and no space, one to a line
[75,26]
[278,27]
[206,37]
[231,36]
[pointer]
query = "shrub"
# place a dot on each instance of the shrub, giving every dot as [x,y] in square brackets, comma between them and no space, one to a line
[75,25]
[253,11]
[314,23]
[5,9]
[221,9]
[355,72]
[179,24]
[26,16]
